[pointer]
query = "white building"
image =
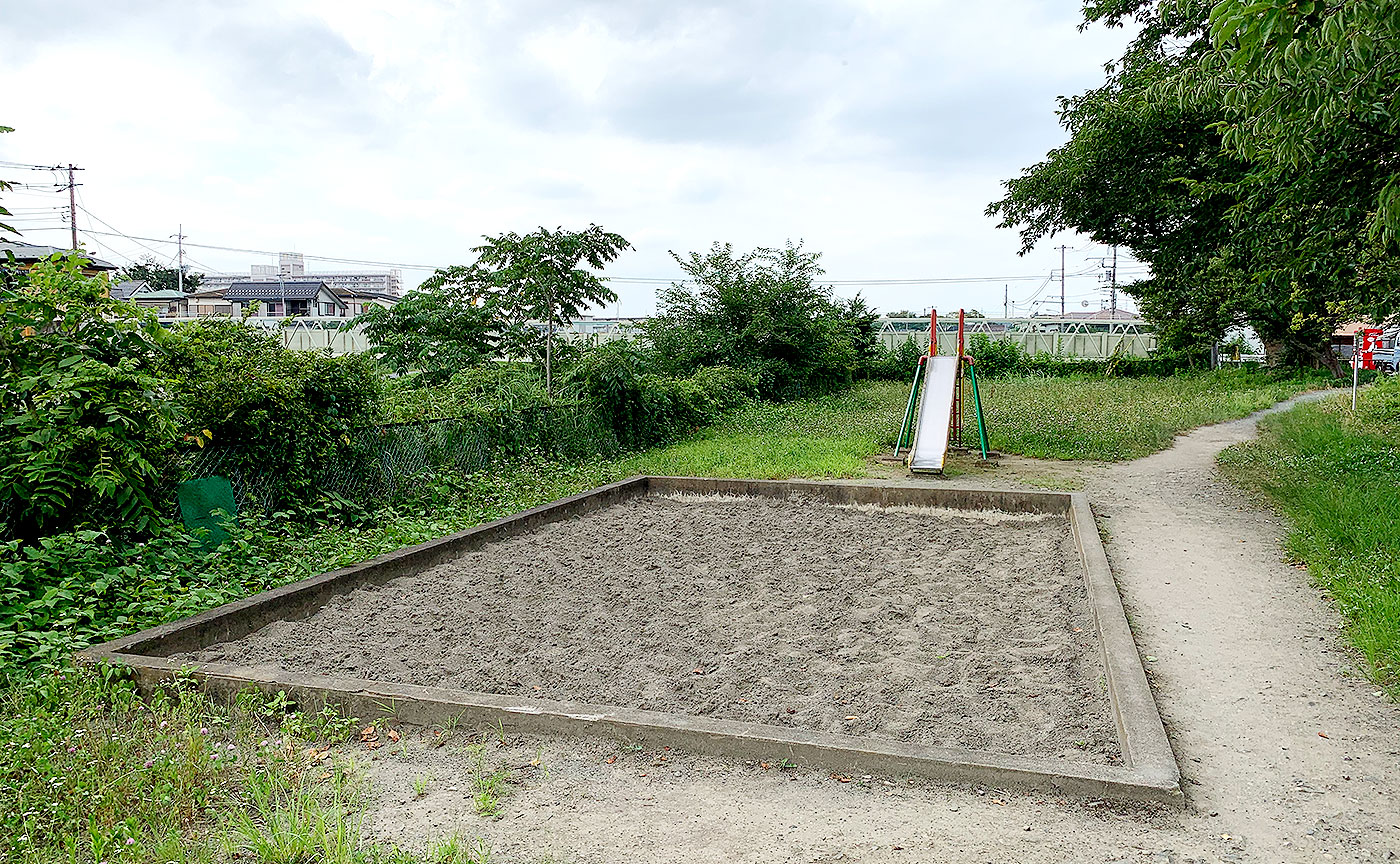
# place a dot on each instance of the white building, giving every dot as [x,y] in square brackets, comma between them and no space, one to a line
[292,265]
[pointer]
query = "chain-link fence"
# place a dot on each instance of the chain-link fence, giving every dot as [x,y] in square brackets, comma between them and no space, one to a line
[379,462]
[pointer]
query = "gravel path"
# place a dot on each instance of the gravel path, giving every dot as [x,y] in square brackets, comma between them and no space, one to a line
[927,626]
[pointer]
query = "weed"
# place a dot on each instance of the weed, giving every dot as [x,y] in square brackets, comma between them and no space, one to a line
[326,725]
[420,786]
[457,850]
[489,786]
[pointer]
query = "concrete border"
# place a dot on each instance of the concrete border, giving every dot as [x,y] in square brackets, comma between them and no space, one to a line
[1150,771]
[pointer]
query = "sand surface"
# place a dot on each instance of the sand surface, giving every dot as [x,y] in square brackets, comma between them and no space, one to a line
[925,626]
[1247,661]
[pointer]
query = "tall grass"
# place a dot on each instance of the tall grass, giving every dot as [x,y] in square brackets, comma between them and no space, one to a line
[1106,419]
[1336,476]
[1111,419]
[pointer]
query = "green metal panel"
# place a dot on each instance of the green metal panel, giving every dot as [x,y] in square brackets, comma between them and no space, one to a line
[199,499]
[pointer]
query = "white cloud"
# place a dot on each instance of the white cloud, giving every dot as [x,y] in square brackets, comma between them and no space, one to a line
[402,131]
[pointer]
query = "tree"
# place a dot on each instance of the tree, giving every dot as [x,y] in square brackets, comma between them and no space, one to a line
[453,321]
[1231,238]
[537,276]
[160,277]
[1291,72]
[763,312]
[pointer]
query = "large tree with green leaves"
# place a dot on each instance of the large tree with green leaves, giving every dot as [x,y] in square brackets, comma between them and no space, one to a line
[160,277]
[1154,164]
[550,277]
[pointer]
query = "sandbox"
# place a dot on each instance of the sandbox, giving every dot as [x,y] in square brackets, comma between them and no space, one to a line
[957,634]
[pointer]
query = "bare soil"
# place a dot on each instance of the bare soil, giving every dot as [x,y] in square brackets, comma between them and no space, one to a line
[933,627]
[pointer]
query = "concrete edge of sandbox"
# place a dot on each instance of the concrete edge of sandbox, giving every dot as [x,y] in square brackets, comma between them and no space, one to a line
[1150,772]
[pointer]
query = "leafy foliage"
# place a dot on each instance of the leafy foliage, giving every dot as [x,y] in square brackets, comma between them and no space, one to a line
[159,277]
[289,413]
[1290,73]
[1157,162]
[450,323]
[644,408]
[538,277]
[86,422]
[765,313]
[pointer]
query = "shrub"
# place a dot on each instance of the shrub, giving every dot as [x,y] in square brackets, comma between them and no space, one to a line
[896,364]
[512,386]
[645,408]
[281,414]
[763,312]
[85,420]
[996,357]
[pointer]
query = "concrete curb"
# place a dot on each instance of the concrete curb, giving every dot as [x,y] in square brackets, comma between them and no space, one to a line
[1150,773]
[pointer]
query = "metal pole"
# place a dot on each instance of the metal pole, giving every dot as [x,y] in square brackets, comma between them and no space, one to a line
[1355,375]
[977,403]
[906,429]
[1062,280]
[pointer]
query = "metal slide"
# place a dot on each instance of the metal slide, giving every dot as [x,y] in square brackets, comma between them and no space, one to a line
[935,415]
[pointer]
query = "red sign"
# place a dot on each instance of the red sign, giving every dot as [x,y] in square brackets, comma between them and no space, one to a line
[1370,343]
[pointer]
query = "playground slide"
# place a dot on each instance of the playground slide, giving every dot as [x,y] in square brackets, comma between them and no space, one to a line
[935,415]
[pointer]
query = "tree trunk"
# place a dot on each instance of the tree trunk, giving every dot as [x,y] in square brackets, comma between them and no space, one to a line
[549,352]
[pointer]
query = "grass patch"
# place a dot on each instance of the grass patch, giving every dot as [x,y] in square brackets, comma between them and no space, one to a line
[1112,419]
[1105,419]
[831,436]
[1336,476]
[90,772]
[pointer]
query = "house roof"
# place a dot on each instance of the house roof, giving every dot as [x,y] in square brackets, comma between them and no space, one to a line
[299,289]
[163,294]
[29,253]
[126,288]
[363,293]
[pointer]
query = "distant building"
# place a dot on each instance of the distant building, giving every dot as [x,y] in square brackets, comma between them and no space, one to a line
[286,297]
[26,255]
[292,265]
[167,303]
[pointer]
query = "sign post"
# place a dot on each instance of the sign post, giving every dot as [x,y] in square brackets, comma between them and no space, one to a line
[1363,356]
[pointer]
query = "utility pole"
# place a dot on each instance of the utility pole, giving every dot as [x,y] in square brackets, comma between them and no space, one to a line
[1006,301]
[1062,280]
[72,207]
[180,245]
[1113,283]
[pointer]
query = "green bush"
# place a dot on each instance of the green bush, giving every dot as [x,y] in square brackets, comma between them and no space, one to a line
[280,414]
[511,386]
[645,408]
[895,364]
[86,424]
[763,312]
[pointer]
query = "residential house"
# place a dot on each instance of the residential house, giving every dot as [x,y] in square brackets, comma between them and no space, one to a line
[361,299]
[305,297]
[26,255]
[168,302]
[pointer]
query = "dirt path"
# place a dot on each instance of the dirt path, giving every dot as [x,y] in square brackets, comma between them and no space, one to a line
[1247,664]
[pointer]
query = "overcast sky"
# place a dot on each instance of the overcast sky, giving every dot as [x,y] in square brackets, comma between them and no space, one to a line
[402,131]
